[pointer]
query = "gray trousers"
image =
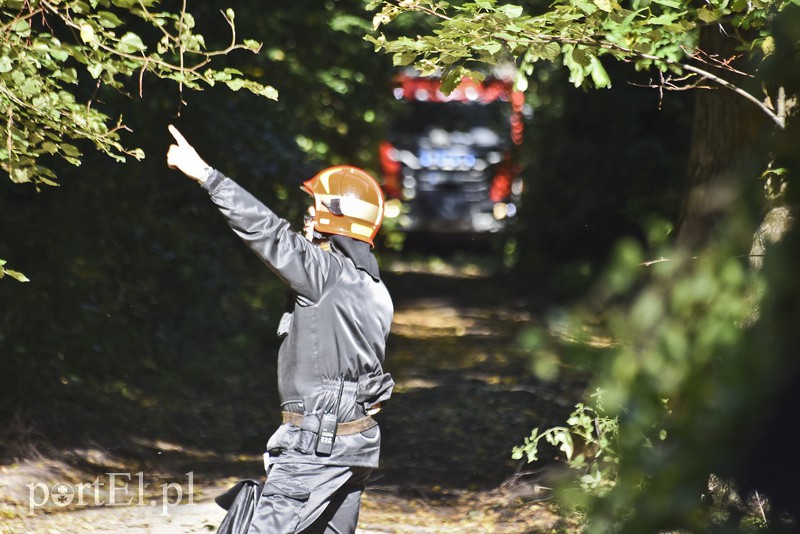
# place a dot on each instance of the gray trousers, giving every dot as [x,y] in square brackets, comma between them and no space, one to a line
[310,499]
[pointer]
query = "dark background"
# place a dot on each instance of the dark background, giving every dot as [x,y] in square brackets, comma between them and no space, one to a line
[146,318]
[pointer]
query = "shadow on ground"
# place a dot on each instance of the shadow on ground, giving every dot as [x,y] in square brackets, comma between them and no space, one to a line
[465,394]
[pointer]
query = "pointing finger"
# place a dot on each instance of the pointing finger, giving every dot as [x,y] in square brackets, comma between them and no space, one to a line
[178,136]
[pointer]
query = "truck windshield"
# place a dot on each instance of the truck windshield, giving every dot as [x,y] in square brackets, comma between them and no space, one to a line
[420,117]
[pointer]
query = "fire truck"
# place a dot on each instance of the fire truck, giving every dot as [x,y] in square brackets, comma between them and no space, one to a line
[450,161]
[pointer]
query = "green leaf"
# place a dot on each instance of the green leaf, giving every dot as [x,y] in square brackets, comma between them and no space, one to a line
[252,44]
[450,80]
[87,33]
[188,21]
[197,42]
[505,36]
[707,15]
[511,11]
[235,84]
[768,46]
[70,150]
[268,91]
[14,274]
[109,19]
[20,175]
[81,7]
[403,59]
[59,53]
[599,75]
[580,57]
[21,28]
[30,87]
[740,5]
[95,69]
[669,3]
[520,82]
[492,48]
[49,147]
[587,7]
[133,42]
[604,5]
[576,71]
[5,64]
[551,51]
[67,75]
[46,181]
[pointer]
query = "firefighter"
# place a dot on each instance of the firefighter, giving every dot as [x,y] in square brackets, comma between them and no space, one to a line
[330,363]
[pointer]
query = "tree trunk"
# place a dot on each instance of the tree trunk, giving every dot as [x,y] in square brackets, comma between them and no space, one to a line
[724,157]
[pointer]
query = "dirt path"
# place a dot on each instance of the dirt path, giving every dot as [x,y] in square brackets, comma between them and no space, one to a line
[464,398]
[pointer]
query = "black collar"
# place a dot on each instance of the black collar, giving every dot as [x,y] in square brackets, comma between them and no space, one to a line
[359,252]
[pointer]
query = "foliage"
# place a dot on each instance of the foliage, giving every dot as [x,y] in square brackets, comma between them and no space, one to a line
[334,92]
[596,458]
[59,57]
[679,340]
[682,379]
[13,274]
[678,387]
[579,34]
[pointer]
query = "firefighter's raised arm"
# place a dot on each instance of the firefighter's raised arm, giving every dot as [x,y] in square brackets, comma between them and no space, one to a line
[184,157]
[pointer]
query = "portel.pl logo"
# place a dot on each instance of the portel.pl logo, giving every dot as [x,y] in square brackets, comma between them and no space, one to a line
[115,490]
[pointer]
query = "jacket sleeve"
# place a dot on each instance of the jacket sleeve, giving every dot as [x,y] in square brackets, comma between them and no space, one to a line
[303,266]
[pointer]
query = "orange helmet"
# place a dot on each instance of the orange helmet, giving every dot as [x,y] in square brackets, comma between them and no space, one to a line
[347,201]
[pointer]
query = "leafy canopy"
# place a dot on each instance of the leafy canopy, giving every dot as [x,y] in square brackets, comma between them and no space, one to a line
[56,55]
[658,34]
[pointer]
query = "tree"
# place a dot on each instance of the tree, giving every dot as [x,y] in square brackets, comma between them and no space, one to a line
[684,45]
[683,381]
[658,34]
[58,58]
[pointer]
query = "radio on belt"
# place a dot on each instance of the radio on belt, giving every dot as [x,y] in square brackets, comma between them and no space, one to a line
[327,427]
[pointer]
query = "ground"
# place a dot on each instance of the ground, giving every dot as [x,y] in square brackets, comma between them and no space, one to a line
[465,396]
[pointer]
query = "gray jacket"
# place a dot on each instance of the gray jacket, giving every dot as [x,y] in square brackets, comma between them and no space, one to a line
[336,330]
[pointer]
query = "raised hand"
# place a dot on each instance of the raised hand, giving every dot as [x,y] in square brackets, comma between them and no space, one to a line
[184,157]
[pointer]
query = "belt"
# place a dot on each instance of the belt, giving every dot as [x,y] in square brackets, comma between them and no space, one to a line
[342,429]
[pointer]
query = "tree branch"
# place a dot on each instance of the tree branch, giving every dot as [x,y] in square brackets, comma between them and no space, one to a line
[777,119]
[622,53]
[612,47]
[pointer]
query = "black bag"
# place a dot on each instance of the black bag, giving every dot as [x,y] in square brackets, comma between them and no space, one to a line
[240,501]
